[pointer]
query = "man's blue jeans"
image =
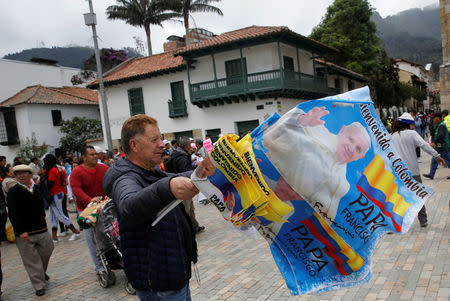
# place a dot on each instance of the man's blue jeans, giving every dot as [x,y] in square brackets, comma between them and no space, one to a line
[445,154]
[183,294]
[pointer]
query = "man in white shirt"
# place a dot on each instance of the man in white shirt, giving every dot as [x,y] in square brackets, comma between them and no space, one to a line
[312,160]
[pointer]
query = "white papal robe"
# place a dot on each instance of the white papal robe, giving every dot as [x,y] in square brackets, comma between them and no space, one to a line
[306,157]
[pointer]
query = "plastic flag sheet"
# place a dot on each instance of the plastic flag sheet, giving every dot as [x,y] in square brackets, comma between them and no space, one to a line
[322,184]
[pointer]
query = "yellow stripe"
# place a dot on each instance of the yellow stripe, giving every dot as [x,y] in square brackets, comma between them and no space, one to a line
[354,260]
[383,180]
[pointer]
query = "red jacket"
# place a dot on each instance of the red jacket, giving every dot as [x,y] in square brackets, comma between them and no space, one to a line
[87,184]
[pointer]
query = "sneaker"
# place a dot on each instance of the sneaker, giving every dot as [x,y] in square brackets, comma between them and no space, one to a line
[428,176]
[55,241]
[47,277]
[75,236]
[424,225]
[62,234]
[40,292]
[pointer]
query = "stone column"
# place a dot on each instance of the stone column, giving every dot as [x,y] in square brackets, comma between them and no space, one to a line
[445,67]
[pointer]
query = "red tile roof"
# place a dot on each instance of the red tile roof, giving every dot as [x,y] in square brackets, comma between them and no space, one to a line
[48,95]
[248,33]
[138,68]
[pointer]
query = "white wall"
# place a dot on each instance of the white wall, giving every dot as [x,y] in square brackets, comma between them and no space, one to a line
[16,75]
[156,92]
[259,58]
[37,118]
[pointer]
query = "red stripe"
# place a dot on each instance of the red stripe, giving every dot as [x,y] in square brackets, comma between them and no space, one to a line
[381,206]
[330,250]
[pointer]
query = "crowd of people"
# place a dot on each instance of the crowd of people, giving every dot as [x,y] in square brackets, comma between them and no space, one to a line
[146,176]
[29,189]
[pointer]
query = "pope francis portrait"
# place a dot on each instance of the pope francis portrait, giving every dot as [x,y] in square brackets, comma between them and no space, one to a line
[311,160]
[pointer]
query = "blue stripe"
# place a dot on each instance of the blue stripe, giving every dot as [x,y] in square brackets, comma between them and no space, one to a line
[373,192]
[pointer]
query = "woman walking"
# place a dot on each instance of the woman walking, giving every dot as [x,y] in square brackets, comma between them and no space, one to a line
[56,181]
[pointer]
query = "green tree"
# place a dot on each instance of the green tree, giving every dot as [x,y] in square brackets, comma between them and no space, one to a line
[31,149]
[385,85]
[186,7]
[348,28]
[141,13]
[77,131]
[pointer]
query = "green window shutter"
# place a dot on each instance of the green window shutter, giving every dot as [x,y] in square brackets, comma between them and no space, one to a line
[136,101]
[233,68]
[288,63]
[177,89]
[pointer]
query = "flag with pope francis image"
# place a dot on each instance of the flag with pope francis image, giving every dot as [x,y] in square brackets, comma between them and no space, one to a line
[322,184]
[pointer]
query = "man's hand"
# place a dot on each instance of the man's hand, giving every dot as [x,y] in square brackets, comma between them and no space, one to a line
[205,168]
[441,161]
[96,199]
[312,118]
[182,188]
[24,236]
[284,191]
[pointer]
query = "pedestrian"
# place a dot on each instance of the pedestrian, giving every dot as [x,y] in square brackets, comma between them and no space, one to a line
[174,146]
[446,119]
[201,150]
[167,146]
[9,180]
[34,165]
[181,162]
[86,181]
[157,258]
[441,143]
[27,215]
[406,140]
[57,180]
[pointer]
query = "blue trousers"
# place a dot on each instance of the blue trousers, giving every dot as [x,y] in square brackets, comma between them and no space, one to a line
[445,154]
[183,294]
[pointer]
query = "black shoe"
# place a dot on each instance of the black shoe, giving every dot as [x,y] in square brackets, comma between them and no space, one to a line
[448,178]
[200,229]
[428,176]
[47,277]
[40,292]
[424,225]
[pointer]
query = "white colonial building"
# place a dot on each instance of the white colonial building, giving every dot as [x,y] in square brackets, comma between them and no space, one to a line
[40,110]
[16,75]
[227,83]
[420,77]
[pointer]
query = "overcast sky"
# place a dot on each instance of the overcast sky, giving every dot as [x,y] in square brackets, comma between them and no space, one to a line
[37,23]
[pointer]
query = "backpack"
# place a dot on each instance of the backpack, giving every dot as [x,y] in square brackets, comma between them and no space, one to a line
[45,192]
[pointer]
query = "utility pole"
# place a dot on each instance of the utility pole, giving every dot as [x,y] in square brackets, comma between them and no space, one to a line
[91,20]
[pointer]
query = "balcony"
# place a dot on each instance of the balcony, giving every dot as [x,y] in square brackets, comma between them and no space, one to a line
[268,83]
[177,108]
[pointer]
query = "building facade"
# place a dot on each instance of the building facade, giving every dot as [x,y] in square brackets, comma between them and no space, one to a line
[420,77]
[39,111]
[229,83]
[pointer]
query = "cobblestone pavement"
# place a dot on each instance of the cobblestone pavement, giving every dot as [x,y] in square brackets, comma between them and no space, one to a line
[233,266]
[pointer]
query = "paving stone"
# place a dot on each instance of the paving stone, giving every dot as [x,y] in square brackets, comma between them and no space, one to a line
[236,266]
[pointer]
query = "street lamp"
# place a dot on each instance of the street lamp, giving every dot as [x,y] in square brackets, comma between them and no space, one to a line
[91,20]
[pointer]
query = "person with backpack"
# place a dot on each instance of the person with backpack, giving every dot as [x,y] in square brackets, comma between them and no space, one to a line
[441,143]
[56,179]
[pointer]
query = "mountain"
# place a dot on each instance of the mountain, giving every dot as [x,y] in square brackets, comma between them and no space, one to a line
[413,34]
[66,56]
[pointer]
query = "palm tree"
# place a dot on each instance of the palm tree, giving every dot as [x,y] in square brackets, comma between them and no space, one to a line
[141,13]
[186,7]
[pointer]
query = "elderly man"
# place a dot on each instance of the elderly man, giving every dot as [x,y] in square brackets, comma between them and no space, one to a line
[27,215]
[313,161]
[157,258]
